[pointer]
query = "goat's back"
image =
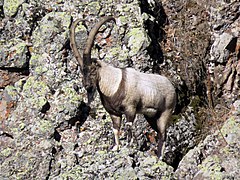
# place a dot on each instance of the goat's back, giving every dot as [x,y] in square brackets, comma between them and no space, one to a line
[150,91]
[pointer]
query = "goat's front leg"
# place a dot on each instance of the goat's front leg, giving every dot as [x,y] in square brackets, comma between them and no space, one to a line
[116,130]
[130,116]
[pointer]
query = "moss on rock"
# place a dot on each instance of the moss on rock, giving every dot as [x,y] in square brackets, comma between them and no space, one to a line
[93,7]
[231,131]
[53,27]
[211,168]
[11,6]
[138,40]
[35,91]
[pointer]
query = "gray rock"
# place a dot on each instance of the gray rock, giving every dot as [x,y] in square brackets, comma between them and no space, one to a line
[54,27]
[14,54]
[220,48]
[216,157]
[11,7]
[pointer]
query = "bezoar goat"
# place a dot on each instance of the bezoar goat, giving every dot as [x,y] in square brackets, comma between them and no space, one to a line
[125,91]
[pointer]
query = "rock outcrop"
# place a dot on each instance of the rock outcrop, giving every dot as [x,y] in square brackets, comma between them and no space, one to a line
[48,132]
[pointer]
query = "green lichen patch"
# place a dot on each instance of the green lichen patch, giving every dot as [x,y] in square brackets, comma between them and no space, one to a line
[34,61]
[73,96]
[52,32]
[151,166]
[211,168]
[22,164]
[116,52]
[11,6]
[6,152]
[80,28]
[35,87]
[36,92]
[128,173]
[12,93]
[123,20]
[231,131]
[42,127]
[74,173]
[45,126]
[93,7]
[138,40]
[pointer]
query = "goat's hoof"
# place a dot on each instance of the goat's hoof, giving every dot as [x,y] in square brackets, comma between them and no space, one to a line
[160,158]
[129,124]
[115,148]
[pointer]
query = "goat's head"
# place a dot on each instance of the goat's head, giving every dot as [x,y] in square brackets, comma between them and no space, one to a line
[89,66]
[90,78]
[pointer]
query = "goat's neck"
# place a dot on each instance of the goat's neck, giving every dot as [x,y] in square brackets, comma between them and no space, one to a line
[109,79]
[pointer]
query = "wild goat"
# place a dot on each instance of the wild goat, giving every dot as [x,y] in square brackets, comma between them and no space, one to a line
[126,91]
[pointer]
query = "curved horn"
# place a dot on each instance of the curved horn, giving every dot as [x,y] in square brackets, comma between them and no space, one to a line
[73,43]
[91,37]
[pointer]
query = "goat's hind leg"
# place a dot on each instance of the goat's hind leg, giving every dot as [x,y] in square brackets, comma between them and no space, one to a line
[116,130]
[162,125]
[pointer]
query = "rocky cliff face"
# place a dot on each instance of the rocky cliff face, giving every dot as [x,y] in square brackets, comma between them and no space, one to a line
[48,132]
